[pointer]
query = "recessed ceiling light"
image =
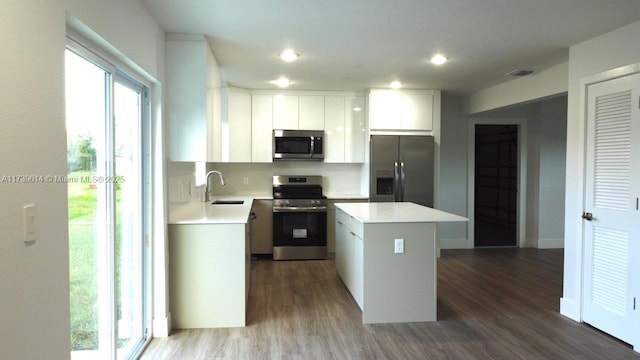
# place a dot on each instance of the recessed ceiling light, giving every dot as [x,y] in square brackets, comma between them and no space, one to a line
[282,82]
[438,59]
[289,55]
[357,108]
[395,85]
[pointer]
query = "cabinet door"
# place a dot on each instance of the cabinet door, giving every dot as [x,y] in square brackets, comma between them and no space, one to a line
[417,110]
[261,122]
[187,99]
[342,237]
[247,260]
[354,129]
[385,109]
[358,270]
[239,124]
[311,111]
[285,112]
[334,130]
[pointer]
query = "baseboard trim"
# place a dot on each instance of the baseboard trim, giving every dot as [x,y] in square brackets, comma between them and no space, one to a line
[550,243]
[162,327]
[454,244]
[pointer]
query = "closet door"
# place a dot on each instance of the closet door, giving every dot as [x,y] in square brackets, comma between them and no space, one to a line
[612,220]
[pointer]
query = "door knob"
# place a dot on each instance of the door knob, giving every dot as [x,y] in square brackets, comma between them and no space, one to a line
[587,216]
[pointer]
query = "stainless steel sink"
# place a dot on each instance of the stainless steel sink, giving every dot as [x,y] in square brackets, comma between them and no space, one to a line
[228,202]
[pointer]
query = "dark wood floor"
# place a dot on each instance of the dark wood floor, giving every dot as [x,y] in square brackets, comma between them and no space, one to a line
[492,304]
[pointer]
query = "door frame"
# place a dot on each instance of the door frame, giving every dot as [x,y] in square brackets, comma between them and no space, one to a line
[521,218]
[581,167]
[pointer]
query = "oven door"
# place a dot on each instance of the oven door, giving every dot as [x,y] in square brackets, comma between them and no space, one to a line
[299,234]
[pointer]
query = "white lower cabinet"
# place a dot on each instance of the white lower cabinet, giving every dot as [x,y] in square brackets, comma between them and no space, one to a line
[349,256]
[209,275]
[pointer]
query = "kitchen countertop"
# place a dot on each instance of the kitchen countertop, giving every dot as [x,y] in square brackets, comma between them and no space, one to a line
[396,212]
[205,213]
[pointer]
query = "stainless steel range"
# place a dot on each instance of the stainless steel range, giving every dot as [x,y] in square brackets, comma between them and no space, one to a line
[299,218]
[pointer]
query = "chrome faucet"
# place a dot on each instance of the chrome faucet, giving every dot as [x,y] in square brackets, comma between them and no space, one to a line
[207,192]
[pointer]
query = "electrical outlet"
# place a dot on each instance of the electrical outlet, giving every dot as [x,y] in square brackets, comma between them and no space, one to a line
[246,180]
[399,246]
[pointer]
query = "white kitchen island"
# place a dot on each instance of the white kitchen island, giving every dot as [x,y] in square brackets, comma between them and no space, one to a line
[386,256]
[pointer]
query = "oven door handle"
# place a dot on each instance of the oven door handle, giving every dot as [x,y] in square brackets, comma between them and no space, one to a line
[300,209]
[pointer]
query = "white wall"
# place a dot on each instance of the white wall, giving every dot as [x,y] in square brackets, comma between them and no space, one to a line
[453,173]
[606,52]
[546,133]
[543,84]
[34,278]
[552,140]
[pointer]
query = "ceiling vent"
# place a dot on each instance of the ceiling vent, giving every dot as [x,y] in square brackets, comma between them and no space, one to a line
[519,73]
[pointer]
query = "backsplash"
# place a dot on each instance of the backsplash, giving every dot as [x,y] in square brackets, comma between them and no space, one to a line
[255,180]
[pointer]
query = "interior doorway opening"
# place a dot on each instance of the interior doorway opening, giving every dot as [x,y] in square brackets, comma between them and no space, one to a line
[496,185]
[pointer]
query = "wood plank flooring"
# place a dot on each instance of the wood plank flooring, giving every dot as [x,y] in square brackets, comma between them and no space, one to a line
[492,304]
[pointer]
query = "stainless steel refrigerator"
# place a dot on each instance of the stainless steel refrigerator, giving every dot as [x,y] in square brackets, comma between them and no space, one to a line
[401,169]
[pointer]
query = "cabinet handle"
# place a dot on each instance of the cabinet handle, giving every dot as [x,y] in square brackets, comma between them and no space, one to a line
[352,233]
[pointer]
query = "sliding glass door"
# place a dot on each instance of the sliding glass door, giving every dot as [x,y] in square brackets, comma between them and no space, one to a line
[108,217]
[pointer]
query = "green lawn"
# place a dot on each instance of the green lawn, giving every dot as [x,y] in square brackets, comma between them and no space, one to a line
[83,263]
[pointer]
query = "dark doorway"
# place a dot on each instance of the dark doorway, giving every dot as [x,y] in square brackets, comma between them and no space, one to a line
[496,185]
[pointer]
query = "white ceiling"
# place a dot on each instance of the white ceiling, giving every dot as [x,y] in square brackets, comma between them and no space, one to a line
[362,44]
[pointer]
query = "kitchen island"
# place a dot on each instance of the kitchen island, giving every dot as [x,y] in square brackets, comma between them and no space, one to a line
[209,263]
[386,257]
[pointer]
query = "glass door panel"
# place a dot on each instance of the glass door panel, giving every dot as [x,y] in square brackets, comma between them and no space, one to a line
[129,230]
[87,93]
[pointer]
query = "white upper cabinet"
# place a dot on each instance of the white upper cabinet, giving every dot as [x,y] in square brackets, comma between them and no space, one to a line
[354,129]
[417,110]
[384,109]
[261,131]
[344,129]
[311,110]
[293,112]
[191,74]
[401,109]
[334,111]
[285,112]
[236,125]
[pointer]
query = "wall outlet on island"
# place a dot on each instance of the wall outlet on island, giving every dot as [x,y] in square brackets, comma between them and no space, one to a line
[399,246]
[245,180]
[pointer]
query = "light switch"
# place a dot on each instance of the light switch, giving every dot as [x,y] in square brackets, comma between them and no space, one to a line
[29,223]
[399,246]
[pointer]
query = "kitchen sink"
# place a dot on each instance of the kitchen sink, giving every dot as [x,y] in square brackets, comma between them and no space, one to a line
[228,202]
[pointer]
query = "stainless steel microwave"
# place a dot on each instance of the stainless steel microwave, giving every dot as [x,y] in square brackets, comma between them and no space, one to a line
[298,145]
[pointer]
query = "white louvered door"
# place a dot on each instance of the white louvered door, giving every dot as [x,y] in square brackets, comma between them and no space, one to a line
[612,187]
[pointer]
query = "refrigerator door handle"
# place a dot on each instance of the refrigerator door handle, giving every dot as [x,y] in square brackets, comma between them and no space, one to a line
[402,176]
[396,180]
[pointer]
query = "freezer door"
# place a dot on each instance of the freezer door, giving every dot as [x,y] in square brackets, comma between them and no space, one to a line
[416,169]
[382,172]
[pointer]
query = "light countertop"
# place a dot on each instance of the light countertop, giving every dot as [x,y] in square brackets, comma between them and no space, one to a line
[205,213]
[396,212]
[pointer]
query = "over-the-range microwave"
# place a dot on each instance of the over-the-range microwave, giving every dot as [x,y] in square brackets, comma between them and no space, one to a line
[298,145]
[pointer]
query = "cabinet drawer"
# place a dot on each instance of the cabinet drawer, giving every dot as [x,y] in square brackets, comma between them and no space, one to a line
[350,223]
